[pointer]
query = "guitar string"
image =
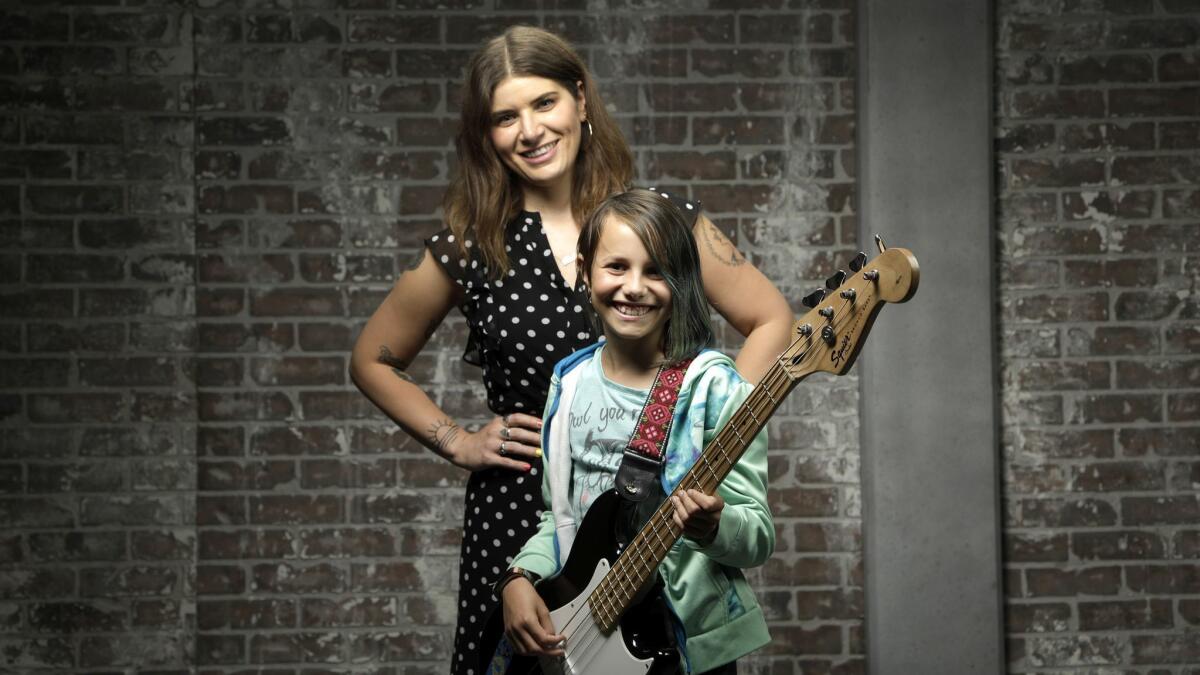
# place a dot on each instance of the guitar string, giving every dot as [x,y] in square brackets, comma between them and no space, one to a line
[592,630]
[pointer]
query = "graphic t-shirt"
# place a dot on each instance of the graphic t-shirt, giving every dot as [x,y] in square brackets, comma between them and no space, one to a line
[602,418]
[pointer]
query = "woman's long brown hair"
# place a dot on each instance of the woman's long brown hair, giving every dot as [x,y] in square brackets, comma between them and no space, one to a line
[484,195]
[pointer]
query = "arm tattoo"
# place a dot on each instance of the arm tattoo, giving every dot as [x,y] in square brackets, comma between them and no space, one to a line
[721,248]
[442,433]
[397,365]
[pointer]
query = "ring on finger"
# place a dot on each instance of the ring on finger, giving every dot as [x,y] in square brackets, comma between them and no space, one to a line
[504,433]
[503,450]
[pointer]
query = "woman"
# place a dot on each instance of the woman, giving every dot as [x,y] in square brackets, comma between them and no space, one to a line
[537,152]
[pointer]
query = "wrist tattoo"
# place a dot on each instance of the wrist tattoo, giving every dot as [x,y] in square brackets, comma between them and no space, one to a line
[397,365]
[442,433]
[720,246]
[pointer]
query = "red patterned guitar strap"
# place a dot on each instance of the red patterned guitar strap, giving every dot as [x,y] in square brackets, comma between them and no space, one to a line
[642,463]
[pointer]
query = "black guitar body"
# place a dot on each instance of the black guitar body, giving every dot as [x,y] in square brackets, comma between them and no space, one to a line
[646,626]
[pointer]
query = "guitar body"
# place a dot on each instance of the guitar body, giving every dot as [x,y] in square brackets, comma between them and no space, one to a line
[642,644]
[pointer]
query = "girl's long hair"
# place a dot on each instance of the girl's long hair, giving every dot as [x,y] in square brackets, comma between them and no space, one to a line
[663,230]
[484,195]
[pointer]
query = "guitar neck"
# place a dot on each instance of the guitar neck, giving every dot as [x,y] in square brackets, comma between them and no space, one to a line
[828,338]
[640,560]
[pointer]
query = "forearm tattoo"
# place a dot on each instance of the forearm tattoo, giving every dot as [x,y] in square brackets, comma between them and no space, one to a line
[442,433]
[720,246]
[398,366]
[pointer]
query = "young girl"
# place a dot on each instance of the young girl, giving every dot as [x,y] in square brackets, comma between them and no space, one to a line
[641,267]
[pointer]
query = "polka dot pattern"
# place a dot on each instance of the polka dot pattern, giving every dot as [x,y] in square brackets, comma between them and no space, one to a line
[521,326]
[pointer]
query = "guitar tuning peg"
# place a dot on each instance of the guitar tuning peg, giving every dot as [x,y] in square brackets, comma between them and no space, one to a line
[879,244]
[814,298]
[857,263]
[835,280]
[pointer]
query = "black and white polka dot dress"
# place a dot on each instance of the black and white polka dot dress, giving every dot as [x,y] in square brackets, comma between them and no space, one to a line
[520,326]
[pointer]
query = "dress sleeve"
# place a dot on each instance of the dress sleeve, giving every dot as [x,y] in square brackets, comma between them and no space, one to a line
[443,246]
[466,272]
[690,209]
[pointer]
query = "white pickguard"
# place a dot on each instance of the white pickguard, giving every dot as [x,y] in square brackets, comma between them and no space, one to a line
[587,649]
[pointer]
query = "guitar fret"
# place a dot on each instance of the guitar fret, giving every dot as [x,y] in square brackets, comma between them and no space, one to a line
[704,460]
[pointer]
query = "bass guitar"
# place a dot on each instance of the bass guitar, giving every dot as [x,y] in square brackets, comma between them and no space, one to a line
[605,577]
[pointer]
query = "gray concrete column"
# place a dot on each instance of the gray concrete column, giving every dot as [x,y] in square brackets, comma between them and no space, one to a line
[928,372]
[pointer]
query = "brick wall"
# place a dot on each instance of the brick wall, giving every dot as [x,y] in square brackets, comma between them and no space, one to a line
[1097,148]
[97,339]
[202,202]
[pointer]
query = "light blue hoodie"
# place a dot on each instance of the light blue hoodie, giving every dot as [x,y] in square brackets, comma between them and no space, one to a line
[704,584]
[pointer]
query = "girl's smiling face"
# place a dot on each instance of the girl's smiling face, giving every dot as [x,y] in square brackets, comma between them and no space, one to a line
[629,292]
[537,129]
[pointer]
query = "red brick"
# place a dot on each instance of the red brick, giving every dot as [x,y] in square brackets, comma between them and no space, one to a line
[1183,649]
[829,605]
[1057,307]
[1112,341]
[1060,104]
[282,509]
[243,614]
[1183,407]
[216,545]
[1164,510]
[1054,512]
[1129,545]
[1118,408]
[1025,548]
[293,578]
[1073,581]
[1037,618]
[1109,137]
[355,542]
[328,613]
[1176,102]
[1061,375]
[76,616]
[805,571]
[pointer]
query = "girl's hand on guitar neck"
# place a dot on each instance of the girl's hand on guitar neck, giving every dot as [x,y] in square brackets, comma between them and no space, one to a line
[527,621]
[698,514]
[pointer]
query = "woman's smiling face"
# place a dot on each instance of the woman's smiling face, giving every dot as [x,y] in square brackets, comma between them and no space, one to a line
[537,129]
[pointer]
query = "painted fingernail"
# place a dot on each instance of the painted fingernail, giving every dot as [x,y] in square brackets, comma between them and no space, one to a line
[528,467]
[539,452]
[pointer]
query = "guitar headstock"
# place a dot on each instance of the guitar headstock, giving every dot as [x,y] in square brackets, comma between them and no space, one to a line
[829,337]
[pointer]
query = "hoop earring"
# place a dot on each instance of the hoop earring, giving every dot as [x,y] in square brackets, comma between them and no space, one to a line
[589,130]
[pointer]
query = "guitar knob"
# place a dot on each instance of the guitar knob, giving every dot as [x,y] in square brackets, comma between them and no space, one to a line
[857,263]
[826,312]
[849,294]
[828,336]
[835,280]
[813,299]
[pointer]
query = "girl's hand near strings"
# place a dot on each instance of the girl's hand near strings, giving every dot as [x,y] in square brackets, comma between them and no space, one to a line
[527,621]
[698,514]
[510,442]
